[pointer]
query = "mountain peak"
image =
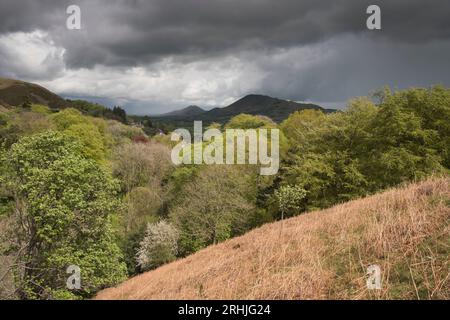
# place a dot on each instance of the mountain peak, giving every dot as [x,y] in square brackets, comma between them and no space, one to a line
[189,111]
[258,104]
[258,98]
[193,108]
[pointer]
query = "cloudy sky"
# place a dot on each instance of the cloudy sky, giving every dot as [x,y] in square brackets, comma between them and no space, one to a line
[153,56]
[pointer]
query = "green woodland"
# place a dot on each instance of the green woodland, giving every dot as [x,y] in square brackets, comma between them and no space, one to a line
[77,188]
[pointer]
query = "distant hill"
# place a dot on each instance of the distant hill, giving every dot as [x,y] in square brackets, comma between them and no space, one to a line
[274,108]
[254,104]
[15,93]
[190,111]
[321,255]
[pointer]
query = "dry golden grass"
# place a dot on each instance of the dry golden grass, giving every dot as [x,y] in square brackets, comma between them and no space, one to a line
[3,109]
[321,255]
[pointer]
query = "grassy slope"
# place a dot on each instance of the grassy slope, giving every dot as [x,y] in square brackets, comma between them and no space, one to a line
[15,92]
[321,254]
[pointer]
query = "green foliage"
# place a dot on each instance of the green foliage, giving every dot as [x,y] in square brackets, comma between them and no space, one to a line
[39,108]
[290,199]
[22,123]
[142,206]
[129,244]
[247,121]
[367,147]
[97,110]
[218,204]
[156,126]
[91,139]
[121,133]
[86,107]
[90,132]
[67,117]
[119,114]
[404,146]
[182,175]
[141,168]
[63,206]
[214,125]
[3,119]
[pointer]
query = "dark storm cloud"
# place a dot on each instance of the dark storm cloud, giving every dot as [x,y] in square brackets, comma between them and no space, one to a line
[133,32]
[355,66]
[28,15]
[209,52]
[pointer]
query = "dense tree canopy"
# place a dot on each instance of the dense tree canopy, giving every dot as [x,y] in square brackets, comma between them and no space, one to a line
[217,204]
[64,203]
[367,147]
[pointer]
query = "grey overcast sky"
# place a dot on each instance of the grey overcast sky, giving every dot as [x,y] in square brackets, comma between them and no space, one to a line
[154,56]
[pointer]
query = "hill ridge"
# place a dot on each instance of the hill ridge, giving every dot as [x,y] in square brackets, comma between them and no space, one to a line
[16,92]
[191,110]
[254,104]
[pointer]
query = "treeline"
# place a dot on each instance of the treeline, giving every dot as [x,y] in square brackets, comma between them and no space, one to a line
[150,126]
[368,147]
[97,110]
[79,190]
[87,108]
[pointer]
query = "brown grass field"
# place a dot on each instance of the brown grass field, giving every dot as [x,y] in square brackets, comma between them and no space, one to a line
[321,255]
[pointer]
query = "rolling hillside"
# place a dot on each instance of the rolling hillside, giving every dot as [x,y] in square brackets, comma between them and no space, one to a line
[16,92]
[322,254]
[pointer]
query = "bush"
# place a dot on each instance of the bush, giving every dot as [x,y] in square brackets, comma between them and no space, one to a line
[290,199]
[91,139]
[121,133]
[67,117]
[39,108]
[159,246]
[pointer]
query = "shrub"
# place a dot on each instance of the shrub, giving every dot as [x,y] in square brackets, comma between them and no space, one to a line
[159,245]
[140,139]
[39,108]
[290,199]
